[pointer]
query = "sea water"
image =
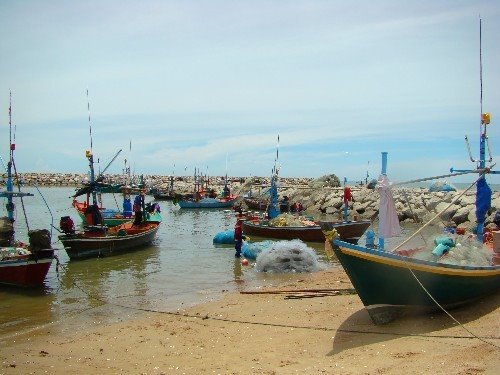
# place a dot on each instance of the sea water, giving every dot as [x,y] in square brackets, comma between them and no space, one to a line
[181,268]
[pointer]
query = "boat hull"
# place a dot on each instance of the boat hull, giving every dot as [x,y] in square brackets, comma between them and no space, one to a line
[81,247]
[350,231]
[207,203]
[388,289]
[28,272]
[256,204]
[164,196]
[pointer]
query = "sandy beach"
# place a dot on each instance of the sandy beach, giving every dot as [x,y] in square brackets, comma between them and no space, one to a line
[314,325]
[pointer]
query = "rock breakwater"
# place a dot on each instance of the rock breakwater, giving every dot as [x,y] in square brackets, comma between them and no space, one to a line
[412,204]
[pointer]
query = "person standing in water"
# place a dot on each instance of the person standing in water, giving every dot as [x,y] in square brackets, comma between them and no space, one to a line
[238,238]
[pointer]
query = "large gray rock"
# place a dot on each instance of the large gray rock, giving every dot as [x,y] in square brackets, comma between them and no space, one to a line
[330,180]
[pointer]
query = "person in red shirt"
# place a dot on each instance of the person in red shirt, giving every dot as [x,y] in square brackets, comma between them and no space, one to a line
[238,238]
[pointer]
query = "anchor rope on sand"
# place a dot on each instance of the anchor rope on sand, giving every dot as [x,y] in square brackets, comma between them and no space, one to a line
[217,318]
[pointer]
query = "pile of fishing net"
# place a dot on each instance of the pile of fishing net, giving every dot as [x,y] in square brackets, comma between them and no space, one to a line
[289,220]
[251,250]
[287,256]
[467,252]
[462,250]
[7,253]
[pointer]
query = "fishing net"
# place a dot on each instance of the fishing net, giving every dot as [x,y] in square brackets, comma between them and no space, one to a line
[287,256]
[289,220]
[465,250]
[251,250]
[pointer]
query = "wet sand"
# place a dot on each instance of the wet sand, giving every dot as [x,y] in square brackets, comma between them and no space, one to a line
[291,332]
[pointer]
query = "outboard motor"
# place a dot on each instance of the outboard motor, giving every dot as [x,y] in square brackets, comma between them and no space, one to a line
[66,224]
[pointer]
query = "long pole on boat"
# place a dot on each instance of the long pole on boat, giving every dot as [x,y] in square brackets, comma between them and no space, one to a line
[381,241]
[482,184]
[367,174]
[90,155]
[483,192]
[9,185]
[273,209]
[346,202]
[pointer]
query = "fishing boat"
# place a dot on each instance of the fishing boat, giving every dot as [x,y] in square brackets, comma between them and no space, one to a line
[96,186]
[97,239]
[277,225]
[309,231]
[93,189]
[165,194]
[100,241]
[21,264]
[207,202]
[393,282]
[204,197]
[256,203]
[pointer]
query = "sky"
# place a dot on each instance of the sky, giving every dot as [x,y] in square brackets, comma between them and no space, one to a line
[179,85]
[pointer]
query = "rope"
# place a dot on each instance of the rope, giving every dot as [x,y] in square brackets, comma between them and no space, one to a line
[412,213]
[116,202]
[50,212]
[216,318]
[333,291]
[439,213]
[20,197]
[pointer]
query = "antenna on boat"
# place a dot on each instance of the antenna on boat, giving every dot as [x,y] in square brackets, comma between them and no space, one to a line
[226,166]
[90,155]
[9,185]
[483,194]
[367,174]
[90,124]
[485,117]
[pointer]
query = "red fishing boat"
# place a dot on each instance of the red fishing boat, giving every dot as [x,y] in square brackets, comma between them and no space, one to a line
[21,264]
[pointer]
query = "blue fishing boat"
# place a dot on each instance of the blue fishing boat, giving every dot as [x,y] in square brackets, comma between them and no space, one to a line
[205,197]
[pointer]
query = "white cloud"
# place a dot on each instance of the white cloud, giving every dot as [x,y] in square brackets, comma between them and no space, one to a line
[191,82]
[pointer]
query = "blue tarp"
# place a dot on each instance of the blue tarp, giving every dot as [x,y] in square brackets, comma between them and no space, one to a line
[442,186]
[483,200]
[226,237]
